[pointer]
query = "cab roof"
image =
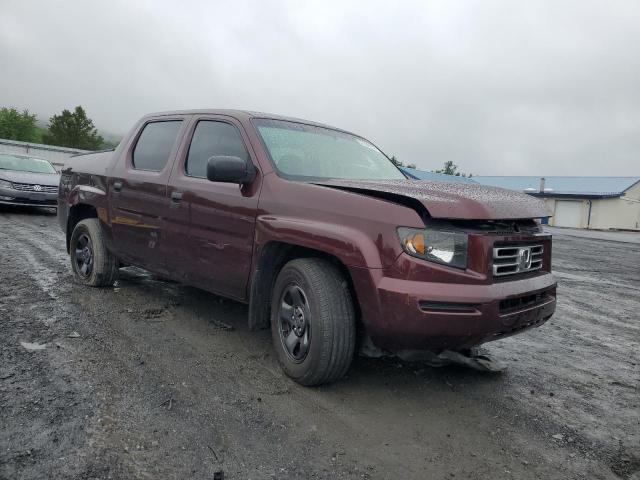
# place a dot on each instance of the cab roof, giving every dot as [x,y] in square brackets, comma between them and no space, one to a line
[244,115]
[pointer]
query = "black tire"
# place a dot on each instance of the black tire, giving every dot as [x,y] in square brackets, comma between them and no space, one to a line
[101,269]
[325,309]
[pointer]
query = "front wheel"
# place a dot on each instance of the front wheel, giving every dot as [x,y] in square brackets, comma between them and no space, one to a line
[313,321]
[91,262]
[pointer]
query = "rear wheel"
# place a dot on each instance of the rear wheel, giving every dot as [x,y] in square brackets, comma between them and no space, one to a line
[91,262]
[313,321]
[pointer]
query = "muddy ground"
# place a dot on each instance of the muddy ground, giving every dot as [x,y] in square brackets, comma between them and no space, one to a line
[155,380]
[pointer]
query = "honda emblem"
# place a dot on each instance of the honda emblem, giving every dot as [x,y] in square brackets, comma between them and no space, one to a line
[524,258]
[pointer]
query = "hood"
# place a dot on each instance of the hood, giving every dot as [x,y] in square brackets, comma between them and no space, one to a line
[459,201]
[49,179]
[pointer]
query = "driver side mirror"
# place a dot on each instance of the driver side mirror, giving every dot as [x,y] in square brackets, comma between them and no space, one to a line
[222,168]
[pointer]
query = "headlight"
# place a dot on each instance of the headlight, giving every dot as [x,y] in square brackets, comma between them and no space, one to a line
[5,184]
[447,248]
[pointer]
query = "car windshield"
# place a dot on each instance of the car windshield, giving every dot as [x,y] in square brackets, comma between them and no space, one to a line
[306,151]
[25,164]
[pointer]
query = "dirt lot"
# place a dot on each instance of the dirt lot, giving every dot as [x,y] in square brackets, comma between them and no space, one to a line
[155,380]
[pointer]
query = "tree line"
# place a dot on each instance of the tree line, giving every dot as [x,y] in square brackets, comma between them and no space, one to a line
[67,129]
[449,168]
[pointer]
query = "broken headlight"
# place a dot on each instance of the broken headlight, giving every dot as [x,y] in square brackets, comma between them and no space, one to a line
[447,248]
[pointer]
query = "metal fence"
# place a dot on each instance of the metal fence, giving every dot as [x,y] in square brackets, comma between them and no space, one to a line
[56,155]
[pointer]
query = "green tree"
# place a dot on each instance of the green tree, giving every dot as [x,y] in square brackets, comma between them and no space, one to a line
[17,126]
[73,130]
[451,168]
[396,162]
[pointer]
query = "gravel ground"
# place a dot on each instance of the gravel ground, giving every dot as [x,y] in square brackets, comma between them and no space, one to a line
[154,380]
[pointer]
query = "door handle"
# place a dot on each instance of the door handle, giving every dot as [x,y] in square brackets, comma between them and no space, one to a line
[117,186]
[176,197]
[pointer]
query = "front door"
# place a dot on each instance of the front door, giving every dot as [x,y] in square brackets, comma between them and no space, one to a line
[138,194]
[216,252]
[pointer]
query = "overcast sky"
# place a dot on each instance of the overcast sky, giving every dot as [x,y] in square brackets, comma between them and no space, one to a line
[499,87]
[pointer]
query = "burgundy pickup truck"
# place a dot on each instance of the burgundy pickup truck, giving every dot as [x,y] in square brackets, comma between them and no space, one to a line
[316,229]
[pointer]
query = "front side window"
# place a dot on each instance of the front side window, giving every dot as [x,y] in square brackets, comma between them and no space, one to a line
[307,151]
[210,139]
[155,144]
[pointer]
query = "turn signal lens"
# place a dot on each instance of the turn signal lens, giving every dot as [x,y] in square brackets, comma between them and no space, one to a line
[415,243]
[440,246]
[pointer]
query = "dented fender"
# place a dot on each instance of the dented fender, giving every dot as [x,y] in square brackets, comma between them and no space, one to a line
[350,245]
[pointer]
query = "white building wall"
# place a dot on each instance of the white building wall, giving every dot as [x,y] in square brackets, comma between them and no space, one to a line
[617,213]
[606,213]
[56,155]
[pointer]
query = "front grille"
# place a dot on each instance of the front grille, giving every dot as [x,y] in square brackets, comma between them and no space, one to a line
[524,301]
[519,328]
[29,187]
[509,260]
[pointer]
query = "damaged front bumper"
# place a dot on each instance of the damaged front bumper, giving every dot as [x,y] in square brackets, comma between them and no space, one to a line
[402,314]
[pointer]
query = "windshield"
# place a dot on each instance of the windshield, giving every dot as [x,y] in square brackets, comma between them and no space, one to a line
[25,164]
[300,150]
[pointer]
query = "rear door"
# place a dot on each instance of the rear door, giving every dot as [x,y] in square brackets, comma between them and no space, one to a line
[138,193]
[215,252]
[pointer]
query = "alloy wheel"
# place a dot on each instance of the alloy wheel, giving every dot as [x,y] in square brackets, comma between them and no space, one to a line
[295,323]
[84,255]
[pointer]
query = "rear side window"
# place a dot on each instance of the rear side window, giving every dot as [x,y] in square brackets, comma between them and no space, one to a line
[213,139]
[155,144]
